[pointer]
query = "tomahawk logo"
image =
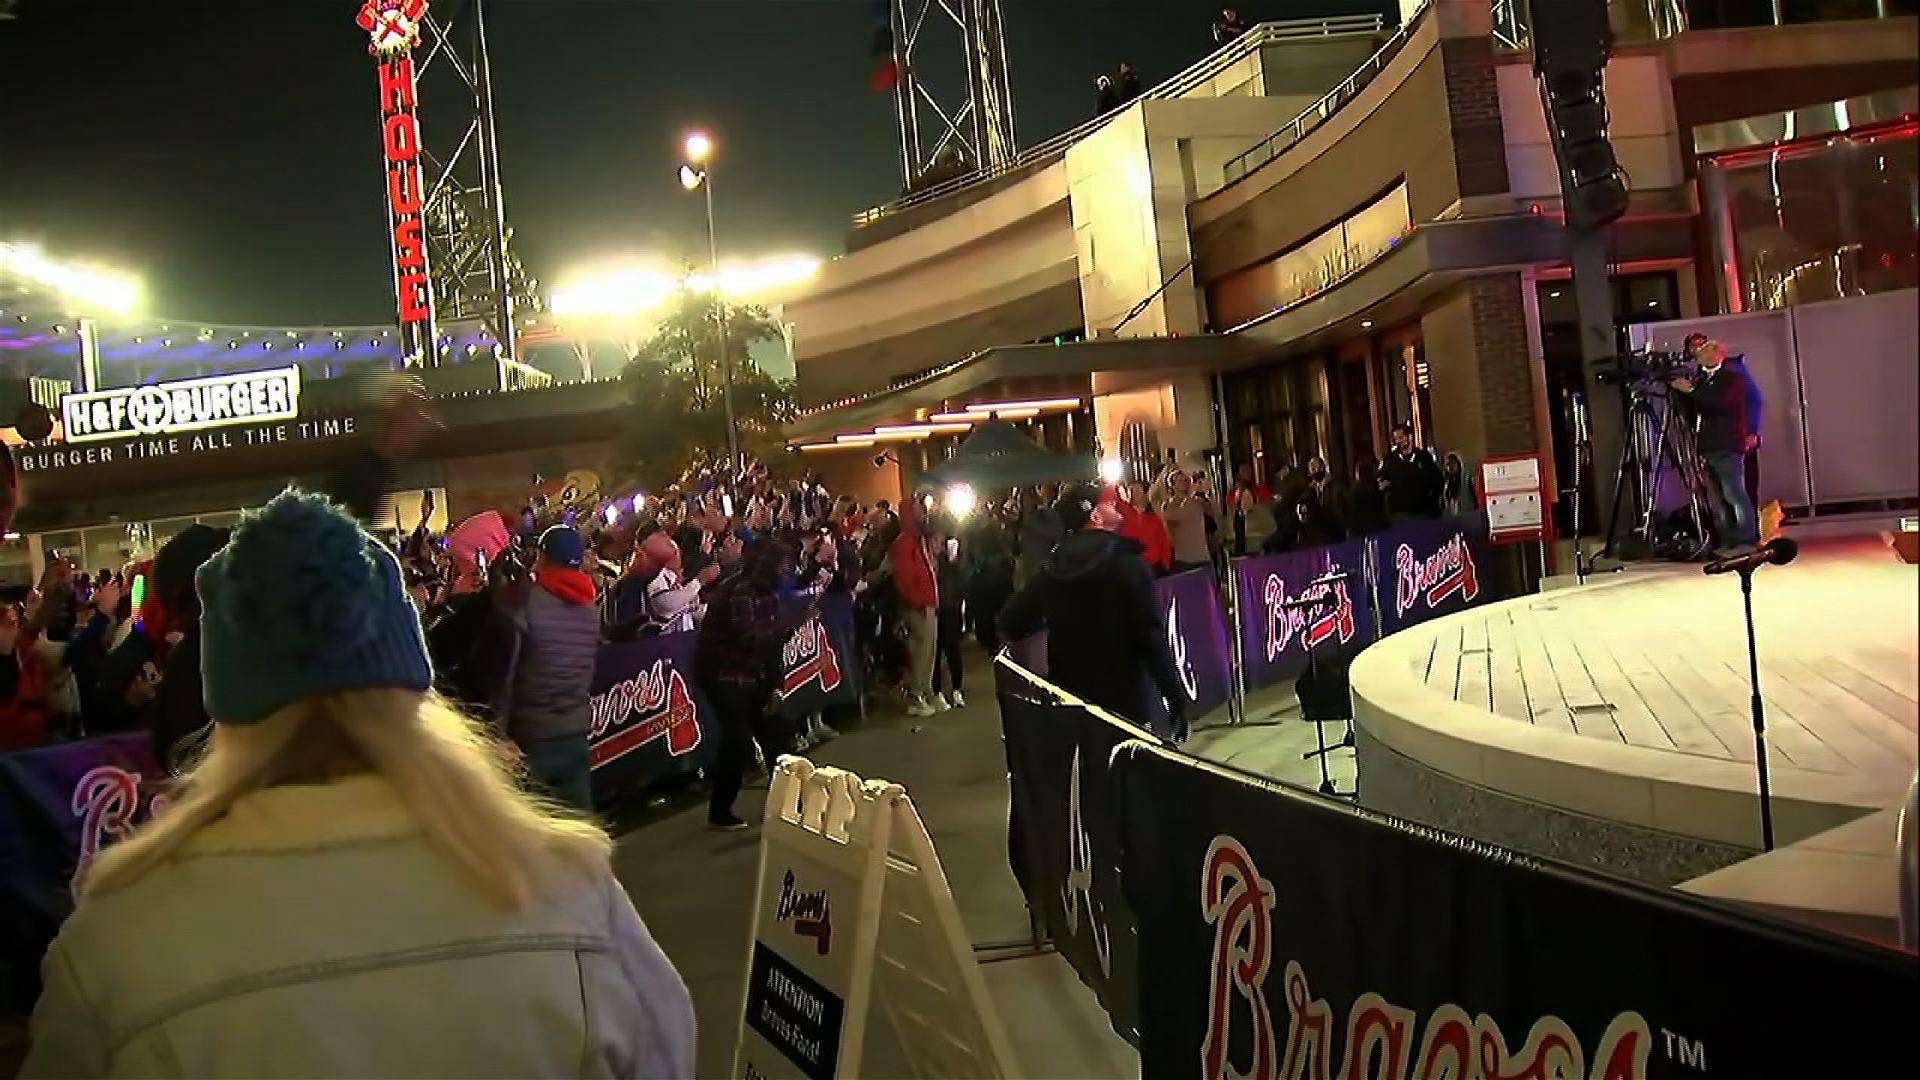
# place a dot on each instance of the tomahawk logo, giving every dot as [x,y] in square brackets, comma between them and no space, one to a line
[809,656]
[810,913]
[653,704]
[1177,645]
[104,800]
[392,25]
[1447,571]
[1331,619]
[1379,1036]
[1078,888]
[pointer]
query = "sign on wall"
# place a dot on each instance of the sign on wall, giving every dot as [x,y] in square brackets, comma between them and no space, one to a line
[393,27]
[212,401]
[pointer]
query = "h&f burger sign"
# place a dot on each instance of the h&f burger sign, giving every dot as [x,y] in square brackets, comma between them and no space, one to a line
[187,416]
[252,397]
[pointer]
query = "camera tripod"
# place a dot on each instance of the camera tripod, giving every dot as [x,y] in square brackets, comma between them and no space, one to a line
[1657,449]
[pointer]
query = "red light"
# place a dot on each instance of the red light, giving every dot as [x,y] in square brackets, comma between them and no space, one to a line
[1534,209]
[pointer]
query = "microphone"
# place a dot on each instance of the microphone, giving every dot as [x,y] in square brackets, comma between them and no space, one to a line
[1779,552]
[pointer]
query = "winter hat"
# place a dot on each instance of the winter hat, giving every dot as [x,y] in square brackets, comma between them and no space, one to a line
[562,546]
[300,603]
[1076,503]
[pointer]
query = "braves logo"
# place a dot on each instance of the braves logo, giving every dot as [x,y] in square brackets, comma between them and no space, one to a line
[810,913]
[1283,622]
[1077,890]
[657,703]
[1447,571]
[1177,644]
[104,800]
[392,24]
[809,656]
[1379,1035]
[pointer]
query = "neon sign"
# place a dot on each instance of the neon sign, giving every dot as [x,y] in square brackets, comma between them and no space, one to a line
[250,397]
[393,26]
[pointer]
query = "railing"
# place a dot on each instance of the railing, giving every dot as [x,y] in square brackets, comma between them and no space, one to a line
[1255,39]
[1321,111]
[1643,21]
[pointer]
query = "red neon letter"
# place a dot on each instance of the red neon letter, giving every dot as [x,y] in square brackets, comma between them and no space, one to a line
[402,137]
[413,298]
[408,250]
[403,190]
[396,85]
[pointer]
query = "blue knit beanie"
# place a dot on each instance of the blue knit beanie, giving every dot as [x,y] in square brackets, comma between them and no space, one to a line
[300,603]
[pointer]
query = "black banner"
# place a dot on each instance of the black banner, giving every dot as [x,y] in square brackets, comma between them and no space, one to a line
[59,807]
[819,662]
[650,720]
[1064,844]
[1291,936]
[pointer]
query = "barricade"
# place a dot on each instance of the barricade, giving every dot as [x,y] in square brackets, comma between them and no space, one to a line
[59,806]
[1063,843]
[859,964]
[1290,935]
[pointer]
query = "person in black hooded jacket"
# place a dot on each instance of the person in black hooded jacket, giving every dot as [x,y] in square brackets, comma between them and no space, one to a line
[1106,640]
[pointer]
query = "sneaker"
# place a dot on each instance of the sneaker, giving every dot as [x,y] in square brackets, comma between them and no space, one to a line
[920,709]
[956,700]
[726,823]
[940,704]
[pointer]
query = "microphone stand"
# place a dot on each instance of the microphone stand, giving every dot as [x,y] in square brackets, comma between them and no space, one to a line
[1312,676]
[1759,710]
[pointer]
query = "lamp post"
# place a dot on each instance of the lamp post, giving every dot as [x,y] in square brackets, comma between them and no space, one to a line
[697,174]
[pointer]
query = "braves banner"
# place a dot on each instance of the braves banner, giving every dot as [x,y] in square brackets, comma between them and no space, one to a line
[59,807]
[1292,936]
[1426,569]
[1276,625]
[650,721]
[1063,841]
[819,662]
[1196,628]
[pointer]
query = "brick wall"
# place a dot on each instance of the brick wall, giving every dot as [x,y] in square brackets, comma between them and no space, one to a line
[1481,369]
[1473,105]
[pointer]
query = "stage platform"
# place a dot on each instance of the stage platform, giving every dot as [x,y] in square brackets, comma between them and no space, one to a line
[1609,724]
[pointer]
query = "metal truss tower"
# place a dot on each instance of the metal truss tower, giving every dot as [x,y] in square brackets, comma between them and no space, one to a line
[968,125]
[472,269]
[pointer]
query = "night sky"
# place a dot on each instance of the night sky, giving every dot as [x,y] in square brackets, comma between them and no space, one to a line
[228,151]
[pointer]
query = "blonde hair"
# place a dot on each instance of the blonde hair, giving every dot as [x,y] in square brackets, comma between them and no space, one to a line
[451,773]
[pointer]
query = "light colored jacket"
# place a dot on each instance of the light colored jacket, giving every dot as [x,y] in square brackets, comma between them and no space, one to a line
[314,932]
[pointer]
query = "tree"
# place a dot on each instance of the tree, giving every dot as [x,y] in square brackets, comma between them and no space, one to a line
[675,389]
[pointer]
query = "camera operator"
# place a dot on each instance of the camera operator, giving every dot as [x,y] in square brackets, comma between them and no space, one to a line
[1756,405]
[1724,435]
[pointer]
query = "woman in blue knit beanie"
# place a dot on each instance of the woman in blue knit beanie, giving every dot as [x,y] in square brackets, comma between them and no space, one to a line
[349,882]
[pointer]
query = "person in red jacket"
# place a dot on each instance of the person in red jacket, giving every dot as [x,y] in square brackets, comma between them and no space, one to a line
[918,586]
[1141,523]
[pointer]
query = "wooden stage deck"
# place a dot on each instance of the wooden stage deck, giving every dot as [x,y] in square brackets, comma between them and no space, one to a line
[1657,660]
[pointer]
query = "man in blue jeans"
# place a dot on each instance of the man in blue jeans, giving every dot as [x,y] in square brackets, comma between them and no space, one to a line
[1724,436]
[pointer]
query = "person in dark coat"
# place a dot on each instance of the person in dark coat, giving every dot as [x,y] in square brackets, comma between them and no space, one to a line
[1106,640]
[549,629]
[165,685]
[1129,84]
[1724,437]
[1410,478]
[1106,97]
[1366,507]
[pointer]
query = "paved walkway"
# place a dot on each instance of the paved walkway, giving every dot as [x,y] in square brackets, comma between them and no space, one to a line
[695,888]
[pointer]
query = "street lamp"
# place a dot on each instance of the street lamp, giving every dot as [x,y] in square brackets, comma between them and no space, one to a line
[697,173]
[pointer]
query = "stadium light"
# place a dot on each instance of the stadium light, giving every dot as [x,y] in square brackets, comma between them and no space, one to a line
[88,290]
[625,292]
